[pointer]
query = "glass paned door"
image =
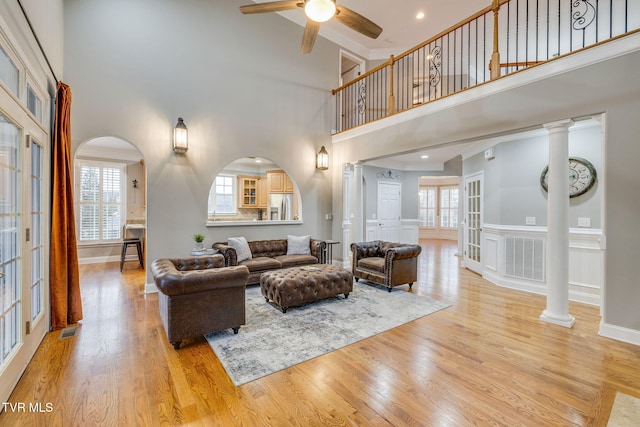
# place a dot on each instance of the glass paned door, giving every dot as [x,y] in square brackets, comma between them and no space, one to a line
[473,223]
[37,226]
[10,226]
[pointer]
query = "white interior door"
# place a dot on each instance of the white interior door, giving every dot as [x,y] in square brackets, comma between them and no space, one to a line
[389,211]
[473,223]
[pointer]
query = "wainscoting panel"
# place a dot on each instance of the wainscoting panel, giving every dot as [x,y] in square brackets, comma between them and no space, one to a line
[409,231]
[371,230]
[490,253]
[514,257]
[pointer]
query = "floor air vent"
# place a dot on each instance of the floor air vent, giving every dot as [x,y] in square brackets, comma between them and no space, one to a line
[68,332]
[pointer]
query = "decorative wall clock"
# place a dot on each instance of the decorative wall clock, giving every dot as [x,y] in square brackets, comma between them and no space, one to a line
[582,176]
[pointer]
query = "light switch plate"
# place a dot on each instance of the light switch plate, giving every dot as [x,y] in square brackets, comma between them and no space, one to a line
[584,222]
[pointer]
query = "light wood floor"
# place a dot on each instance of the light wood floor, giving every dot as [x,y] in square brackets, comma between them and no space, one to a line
[486,360]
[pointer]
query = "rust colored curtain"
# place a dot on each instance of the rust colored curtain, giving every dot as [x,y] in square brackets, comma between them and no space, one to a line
[64,275]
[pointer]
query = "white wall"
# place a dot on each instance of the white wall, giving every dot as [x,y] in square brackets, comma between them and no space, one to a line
[238,81]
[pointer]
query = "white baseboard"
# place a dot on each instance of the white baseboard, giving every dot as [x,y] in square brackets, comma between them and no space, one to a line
[619,333]
[533,287]
[105,259]
[540,288]
[150,288]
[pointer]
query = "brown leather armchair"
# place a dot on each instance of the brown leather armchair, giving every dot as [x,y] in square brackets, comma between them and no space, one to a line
[386,263]
[199,295]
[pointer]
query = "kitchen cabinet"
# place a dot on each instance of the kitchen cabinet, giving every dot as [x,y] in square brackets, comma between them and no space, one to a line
[253,192]
[263,193]
[279,182]
[248,191]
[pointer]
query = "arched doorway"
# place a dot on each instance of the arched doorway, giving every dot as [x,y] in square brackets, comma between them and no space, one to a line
[110,201]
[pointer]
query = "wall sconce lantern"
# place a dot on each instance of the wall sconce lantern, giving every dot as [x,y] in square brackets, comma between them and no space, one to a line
[322,159]
[180,137]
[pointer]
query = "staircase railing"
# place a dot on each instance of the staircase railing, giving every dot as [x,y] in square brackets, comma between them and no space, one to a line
[503,38]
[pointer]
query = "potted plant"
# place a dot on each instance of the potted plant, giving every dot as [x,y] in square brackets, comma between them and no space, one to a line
[199,239]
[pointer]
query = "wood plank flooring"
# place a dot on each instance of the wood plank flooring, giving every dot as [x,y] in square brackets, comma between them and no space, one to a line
[487,360]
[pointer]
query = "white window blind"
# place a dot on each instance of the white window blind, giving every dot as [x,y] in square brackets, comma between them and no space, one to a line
[449,207]
[427,207]
[100,190]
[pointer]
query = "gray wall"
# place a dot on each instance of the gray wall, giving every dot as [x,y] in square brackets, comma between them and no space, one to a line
[622,152]
[410,186]
[239,82]
[512,188]
[554,91]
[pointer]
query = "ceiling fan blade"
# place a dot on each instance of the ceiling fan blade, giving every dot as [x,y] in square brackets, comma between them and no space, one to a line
[273,6]
[310,36]
[357,22]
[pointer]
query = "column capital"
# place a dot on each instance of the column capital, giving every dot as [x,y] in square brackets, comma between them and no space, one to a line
[558,125]
[598,117]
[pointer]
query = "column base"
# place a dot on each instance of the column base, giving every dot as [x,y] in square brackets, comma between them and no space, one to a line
[565,320]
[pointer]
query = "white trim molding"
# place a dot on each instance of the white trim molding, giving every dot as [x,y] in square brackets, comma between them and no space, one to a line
[586,261]
[619,333]
[150,288]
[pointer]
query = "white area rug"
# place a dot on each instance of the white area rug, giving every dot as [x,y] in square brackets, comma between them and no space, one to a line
[625,411]
[272,340]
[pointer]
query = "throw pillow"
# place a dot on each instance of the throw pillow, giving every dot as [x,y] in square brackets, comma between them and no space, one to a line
[298,245]
[241,246]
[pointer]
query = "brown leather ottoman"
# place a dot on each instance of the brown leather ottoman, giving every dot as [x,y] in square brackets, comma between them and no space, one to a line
[295,286]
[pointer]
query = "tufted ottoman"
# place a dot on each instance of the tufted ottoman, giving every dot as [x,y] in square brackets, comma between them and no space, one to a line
[295,286]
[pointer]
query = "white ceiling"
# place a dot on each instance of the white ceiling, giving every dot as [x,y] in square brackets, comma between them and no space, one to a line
[400,28]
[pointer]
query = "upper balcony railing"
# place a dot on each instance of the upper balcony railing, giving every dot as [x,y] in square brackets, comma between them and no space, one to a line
[505,37]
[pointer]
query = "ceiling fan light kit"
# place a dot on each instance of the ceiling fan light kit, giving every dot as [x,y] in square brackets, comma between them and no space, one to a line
[320,10]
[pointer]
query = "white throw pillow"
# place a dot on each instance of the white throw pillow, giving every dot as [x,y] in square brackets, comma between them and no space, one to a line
[298,245]
[241,246]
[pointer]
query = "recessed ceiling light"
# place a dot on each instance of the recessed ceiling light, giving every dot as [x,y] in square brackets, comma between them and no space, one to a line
[424,156]
[420,15]
[258,161]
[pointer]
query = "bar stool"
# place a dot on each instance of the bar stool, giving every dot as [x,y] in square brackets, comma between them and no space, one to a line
[125,244]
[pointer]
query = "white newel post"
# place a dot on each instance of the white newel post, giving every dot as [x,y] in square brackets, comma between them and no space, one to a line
[557,311]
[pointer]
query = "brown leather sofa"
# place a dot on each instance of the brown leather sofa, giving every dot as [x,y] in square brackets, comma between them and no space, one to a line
[199,295]
[267,255]
[386,263]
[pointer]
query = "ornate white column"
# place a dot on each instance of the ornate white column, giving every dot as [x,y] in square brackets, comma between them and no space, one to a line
[357,217]
[347,188]
[557,311]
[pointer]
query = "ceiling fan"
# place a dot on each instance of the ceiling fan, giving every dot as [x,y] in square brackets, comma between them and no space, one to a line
[318,11]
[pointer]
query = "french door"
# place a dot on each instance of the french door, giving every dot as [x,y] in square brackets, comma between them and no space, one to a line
[473,222]
[24,308]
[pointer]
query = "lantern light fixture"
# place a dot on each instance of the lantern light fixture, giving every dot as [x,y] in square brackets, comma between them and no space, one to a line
[322,159]
[180,137]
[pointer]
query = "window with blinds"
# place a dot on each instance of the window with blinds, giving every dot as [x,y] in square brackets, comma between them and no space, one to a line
[449,207]
[427,207]
[223,200]
[100,196]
